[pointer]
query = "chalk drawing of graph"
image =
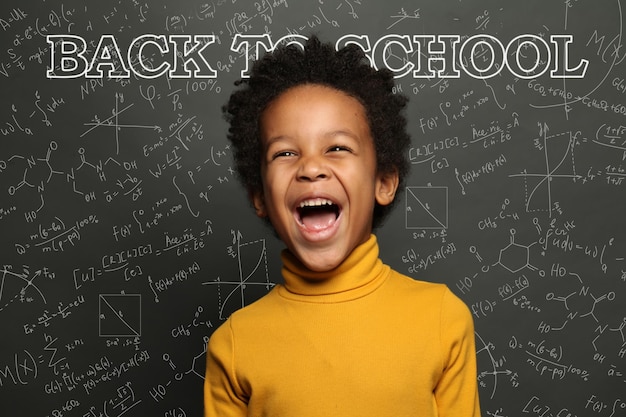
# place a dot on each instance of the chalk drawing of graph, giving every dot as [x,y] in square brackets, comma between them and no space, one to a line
[490,369]
[13,285]
[426,208]
[120,315]
[559,163]
[252,265]
[114,122]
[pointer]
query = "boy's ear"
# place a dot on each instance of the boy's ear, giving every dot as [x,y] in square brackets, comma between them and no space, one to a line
[258,201]
[386,187]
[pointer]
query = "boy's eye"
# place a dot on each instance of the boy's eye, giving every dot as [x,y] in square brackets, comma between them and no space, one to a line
[283,154]
[338,148]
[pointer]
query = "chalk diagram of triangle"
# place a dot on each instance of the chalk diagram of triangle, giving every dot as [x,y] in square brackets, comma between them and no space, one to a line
[426,207]
[120,315]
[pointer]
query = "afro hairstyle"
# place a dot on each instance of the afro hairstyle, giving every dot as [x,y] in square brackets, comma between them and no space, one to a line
[348,70]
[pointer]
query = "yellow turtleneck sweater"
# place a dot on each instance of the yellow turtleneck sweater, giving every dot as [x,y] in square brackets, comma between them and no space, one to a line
[361,340]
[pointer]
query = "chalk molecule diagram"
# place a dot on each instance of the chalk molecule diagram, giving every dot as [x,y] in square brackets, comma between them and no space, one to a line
[515,257]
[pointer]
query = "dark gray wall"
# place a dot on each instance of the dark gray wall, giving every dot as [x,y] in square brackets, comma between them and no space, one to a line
[126,239]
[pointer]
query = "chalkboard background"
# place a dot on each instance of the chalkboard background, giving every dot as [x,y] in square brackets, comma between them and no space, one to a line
[126,239]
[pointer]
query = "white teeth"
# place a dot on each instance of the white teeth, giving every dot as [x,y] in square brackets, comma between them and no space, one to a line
[316,202]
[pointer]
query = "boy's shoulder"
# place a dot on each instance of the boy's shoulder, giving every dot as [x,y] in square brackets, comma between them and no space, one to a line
[433,293]
[415,285]
[259,310]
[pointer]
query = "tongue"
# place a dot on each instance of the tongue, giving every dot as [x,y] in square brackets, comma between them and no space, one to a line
[318,219]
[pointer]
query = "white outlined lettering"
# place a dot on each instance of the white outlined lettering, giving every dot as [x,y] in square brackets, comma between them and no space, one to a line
[480,56]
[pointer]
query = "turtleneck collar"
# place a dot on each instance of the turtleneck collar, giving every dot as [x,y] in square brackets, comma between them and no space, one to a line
[358,275]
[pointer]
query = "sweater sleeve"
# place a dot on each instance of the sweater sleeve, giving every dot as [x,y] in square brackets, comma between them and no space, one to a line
[222,394]
[456,393]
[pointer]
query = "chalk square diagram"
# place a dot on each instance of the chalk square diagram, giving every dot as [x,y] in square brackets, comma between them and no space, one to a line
[120,315]
[426,207]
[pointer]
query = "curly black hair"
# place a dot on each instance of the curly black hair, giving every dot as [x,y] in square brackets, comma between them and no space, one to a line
[347,70]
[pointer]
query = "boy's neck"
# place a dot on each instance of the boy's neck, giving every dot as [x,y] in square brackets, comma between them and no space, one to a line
[359,269]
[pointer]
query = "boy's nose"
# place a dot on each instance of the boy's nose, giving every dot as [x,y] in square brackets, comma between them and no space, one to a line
[313,169]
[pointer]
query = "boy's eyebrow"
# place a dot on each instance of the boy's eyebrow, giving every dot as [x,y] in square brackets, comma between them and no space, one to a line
[331,134]
[342,132]
[267,142]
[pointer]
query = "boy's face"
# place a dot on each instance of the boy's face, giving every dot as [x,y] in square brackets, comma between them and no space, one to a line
[319,175]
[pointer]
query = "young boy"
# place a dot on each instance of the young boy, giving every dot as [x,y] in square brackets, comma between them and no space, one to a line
[320,143]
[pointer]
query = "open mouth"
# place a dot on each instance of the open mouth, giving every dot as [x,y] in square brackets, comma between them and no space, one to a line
[317,213]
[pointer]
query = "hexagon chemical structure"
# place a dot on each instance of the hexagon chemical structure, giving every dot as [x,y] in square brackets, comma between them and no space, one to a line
[515,257]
